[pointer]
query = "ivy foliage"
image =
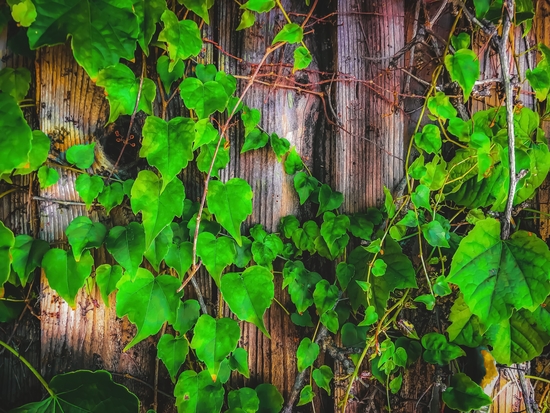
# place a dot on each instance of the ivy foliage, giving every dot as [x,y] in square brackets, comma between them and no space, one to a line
[501,287]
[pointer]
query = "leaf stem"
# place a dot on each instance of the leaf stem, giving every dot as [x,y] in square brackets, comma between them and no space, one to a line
[30,367]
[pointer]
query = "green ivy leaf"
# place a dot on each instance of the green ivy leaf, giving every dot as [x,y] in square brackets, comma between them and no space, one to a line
[159,247]
[122,87]
[168,145]
[199,7]
[88,187]
[462,41]
[306,354]
[333,227]
[168,77]
[520,338]
[47,177]
[205,98]
[429,140]
[228,82]
[249,294]
[301,287]
[84,390]
[435,234]
[247,20]
[304,238]
[158,206]
[148,302]
[197,393]
[465,328]
[239,361]
[441,106]
[293,163]
[329,200]
[182,37]
[173,352]
[23,12]
[371,317]
[354,336]
[213,340]
[305,185]
[330,320]
[322,376]
[260,6]
[27,253]
[256,139]
[102,32]
[360,226]
[148,13]
[399,274]
[180,257]
[7,242]
[65,275]
[111,196]
[279,145]
[264,252]
[325,296]
[251,118]
[421,197]
[187,316]
[306,395]
[244,399]
[127,245]
[464,394]
[302,320]
[231,203]
[463,67]
[15,135]
[496,276]
[271,400]
[215,253]
[81,155]
[83,234]
[344,273]
[302,58]
[38,154]
[106,277]
[288,225]
[15,81]
[204,160]
[290,33]
[205,133]
[438,350]
[461,129]
[427,299]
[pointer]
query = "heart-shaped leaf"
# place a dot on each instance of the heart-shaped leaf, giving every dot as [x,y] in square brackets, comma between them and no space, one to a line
[66,275]
[111,196]
[127,245]
[329,200]
[27,253]
[83,234]
[198,393]
[106,277]
[306,354]
[231,203]
[168,145]
[88,187]
[7,241]
[182,37]
[173,352]
[239,361]
[159,247]
[15,135]
[322,376]
[463,67]
[158,206]
[249,294]
[213,340]
[205,98]
[81,155]
[188,314]
[464,394]
[180,257]
[215,253]
[439,350]
[245,399]
[148,302]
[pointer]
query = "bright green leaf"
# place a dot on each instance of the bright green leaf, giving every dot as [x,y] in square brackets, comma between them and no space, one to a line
[88,187]
[187,316]
[127,245]
[197,393]
[83,234]
[306,395]
[199,7]
[305,185]
[15,135]
[463,67]
[111,196]
[168,77]
[65,275]
[159,247]
[182,37]
[27,254]
[204,160]
[260,6]
[238,360]
[244,399]
[213,340]
[441,106]
[81,155]
[249,294]
[173,352]
[293,163]
[325,296]
[215,253]
[106,277]
[148,14]
[180,257]
[247,20]
[290,33]
[435,234]
[329,200]
[148,302]
[429,139]
[302,58]
[38,154]
[47,177]
[322,376]
[205,98]
[306,354]
[279,145]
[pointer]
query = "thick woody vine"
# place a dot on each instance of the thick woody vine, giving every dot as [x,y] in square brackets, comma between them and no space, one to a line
[464,177]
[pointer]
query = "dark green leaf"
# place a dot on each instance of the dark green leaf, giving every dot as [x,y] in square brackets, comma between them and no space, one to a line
[15,136]
[305,185]
[7,242]
[302,58]
[245,399]
[15,82]
[168,77]
[322,376]
[329,200]
[464,394]
[199,7]
[438,350]
[325,296]
[255,140]
[111,196]
[159,247]
[271,400]
[344,273]
[180,257]
[302,320]
[148,14]
[187,316]
[239,361]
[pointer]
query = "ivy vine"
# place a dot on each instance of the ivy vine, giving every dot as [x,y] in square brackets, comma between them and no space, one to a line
[464,177]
